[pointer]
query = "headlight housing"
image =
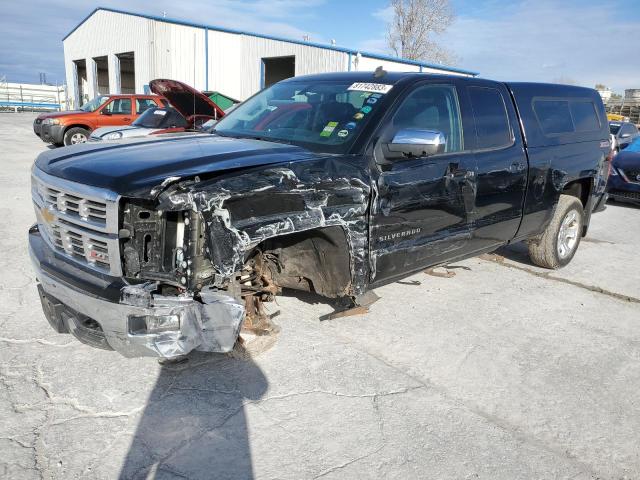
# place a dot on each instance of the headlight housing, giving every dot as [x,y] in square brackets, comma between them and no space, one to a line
[51,121]
[113,136]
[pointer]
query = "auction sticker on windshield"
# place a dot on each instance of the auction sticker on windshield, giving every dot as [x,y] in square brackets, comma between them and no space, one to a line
[328,129]
[370,87]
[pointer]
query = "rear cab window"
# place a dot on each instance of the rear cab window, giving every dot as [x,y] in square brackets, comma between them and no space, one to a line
[585,117]
[560,116]
[493,130]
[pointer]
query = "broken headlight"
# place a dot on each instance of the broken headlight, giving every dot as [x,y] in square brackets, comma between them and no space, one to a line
[151,324]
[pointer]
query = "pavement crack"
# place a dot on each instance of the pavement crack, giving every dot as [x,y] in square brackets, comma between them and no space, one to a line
[348,463]
[339,394]
[500,260]
[497,422]
[41,341]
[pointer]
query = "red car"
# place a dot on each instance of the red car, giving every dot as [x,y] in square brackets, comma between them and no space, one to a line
[68,128]
[189,110]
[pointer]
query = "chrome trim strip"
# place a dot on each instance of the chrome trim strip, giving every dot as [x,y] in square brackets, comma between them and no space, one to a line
[96,194]
[87,229]
[113,245]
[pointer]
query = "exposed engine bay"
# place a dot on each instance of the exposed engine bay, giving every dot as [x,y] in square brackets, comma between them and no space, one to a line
[277,230]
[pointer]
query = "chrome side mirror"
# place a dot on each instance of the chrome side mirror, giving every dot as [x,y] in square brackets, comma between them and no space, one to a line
[415,143]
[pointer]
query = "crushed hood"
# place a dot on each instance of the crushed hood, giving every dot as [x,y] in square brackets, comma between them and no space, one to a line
[135,166]
[188,101]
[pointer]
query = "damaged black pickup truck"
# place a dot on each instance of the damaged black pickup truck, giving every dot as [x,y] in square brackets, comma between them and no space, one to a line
[333,183]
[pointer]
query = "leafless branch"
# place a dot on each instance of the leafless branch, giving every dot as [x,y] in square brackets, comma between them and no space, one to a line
[415,22]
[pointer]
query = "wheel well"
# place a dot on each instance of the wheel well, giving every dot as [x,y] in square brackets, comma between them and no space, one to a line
[66,129]
[580,188]
[315,260]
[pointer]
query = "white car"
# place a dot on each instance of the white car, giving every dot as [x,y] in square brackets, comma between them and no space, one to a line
[153,121]
[189,111]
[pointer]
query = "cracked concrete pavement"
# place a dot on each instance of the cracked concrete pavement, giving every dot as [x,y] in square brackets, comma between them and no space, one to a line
[504,371]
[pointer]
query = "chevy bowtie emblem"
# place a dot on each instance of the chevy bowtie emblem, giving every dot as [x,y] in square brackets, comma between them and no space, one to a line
[47,215]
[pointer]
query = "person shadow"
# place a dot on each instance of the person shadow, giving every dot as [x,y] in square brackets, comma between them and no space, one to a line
[194,423]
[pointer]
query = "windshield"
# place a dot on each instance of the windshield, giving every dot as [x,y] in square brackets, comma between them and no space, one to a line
[94,104]
[614,128]
[160,118]
[320,115]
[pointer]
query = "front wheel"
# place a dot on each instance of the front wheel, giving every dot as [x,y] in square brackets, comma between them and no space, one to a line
[558,243]
[76,135]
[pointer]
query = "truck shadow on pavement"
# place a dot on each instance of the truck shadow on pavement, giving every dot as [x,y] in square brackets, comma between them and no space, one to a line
[516,252]
[194,423]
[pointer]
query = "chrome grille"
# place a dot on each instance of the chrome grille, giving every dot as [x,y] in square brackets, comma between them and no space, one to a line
[75,206]
[78,221]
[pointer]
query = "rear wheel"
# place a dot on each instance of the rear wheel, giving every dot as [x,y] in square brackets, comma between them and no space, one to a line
[558,243]
[76,135]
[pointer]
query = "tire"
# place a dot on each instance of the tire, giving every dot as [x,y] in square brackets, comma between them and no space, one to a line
[76,135]
[557,245]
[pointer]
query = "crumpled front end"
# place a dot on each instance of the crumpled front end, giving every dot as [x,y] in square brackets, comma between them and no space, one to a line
[185,265]
[139,323]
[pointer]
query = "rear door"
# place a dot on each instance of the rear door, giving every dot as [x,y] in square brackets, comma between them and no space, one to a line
[501,165]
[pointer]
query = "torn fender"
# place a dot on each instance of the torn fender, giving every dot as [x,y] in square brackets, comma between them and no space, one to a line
[242,210]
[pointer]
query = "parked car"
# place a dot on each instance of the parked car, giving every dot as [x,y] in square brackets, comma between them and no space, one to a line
[68,128]
[624,181]
[624,133]
[189,112]
[335,184]
[225,102]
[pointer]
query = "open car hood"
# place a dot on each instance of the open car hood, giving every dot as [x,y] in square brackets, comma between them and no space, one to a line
[185,99]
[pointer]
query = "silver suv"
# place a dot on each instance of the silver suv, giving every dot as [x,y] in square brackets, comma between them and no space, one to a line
[624,133]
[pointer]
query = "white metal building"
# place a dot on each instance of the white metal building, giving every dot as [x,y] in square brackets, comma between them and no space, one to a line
[31,96]
[113,51]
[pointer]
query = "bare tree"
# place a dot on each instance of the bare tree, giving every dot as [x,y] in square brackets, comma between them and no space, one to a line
[415,22]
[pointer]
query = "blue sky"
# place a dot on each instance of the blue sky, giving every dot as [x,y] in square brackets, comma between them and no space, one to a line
[582,41]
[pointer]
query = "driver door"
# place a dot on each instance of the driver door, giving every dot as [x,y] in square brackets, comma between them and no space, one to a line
[116,112]
[421,215]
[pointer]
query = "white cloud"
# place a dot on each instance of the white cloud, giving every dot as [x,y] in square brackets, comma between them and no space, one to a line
[543,40]
[33,31]
[384,14]
[539,40]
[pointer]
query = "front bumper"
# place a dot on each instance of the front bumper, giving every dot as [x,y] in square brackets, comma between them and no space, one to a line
[623,191]
[37,127]
[72,303]
[52,133]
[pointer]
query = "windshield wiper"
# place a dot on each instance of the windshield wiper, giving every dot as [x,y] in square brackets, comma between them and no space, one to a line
[253,137]
[269,139]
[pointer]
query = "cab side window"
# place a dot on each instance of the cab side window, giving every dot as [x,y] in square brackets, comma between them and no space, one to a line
[490,116]
[119,106]
[143,104]
[432,107]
